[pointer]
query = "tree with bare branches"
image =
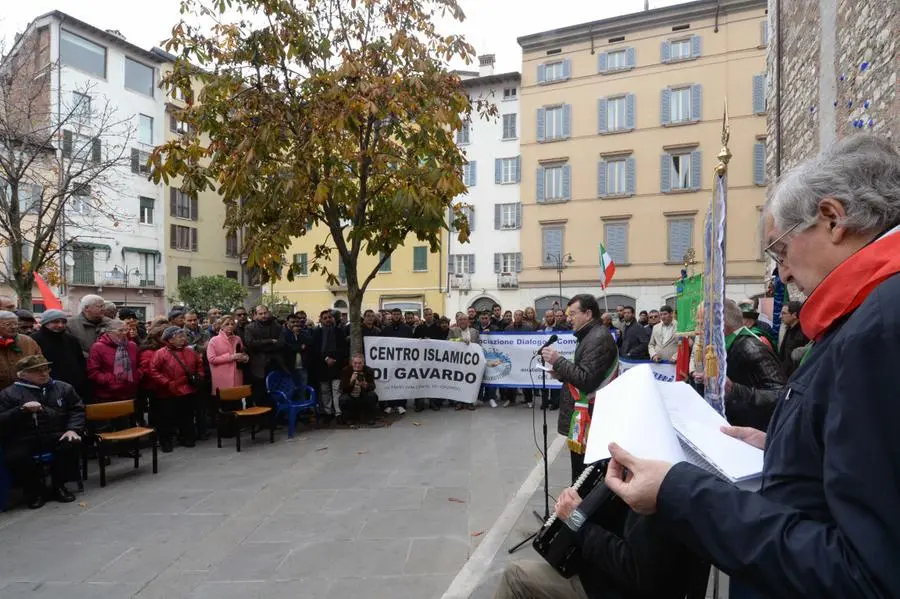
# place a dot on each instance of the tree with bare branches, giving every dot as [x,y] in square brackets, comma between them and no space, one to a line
[59,160]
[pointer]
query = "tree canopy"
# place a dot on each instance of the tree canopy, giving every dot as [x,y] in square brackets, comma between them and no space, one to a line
[203,293]
[338,113]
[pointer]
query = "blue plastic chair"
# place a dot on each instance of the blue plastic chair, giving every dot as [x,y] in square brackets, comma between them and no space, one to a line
[288,400]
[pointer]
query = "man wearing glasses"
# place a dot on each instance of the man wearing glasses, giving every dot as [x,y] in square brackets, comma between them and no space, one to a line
[824,523]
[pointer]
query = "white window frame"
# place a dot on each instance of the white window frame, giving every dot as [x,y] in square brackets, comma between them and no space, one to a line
[681,45]
[510,93]
[617,176]
[680,170]
[146,212]
[182,205]
[680,104]
[508,214]
[617,60]
[515,125]
[148,262]
[554,71]
[507,171]
[462,264]
[82,147]
[617,113]
[464,135]
[138,63]
[507,263]
[145,127]
[553,122]
[81,108]
[553,182]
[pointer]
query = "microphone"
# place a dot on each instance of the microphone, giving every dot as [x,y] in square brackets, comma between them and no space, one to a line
[549,342]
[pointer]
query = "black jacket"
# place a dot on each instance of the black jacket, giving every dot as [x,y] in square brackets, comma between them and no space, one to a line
[756,382]
[594,355]
[793,338]
[824,523]
[294,346]
[318,370]
[634,341]
[401,331]
[62,411]
[68,363]
[266,347]
[428,331]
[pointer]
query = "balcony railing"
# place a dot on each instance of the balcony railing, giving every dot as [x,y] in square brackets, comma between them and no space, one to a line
[108,278]
[507,280]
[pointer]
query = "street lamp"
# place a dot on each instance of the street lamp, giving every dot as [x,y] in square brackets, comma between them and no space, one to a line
[561,261]
[125,273]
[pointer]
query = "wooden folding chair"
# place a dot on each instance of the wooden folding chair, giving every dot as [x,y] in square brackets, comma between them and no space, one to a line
[232,398]
[105,412]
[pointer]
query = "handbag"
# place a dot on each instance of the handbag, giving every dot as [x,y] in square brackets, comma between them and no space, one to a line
[193,379]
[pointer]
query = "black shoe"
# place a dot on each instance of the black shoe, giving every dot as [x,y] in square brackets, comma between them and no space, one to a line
[419,409]
[62,495]
[36,501]
[166,446]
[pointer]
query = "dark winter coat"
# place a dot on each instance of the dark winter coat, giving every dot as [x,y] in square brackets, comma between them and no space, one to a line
[317,369]
[62,411]
[68,363]
[634,341]
[756,382]
[265,346]
[793,338]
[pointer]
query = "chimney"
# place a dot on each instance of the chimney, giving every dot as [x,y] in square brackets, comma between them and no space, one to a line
[486,65]
[646,5]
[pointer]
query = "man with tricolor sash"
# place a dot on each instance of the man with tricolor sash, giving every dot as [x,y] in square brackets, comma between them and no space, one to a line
[594,364]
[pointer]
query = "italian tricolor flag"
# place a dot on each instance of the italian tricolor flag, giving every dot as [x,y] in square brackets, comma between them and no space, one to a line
[607,266]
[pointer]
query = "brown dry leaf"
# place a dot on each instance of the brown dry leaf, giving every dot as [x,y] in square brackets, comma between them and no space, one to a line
[364,451]
[417,424]
[478,534]
[455,500]
[82,504]
[322,448]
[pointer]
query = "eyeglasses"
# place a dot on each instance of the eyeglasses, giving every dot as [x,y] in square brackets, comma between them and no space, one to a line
[778,255]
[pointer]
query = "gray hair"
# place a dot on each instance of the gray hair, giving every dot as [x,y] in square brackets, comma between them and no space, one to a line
[91,300]
[734,318]
[862,172]
[112,324]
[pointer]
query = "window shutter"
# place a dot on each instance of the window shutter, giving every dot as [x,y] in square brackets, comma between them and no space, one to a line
[601,178]
[173,237]
[759,94]
[498,171]
[519,215]
[601,115]
[497,210]
[135,161]
[567,181]
[665,100]
[518,177]
[473,173]
[497,259]
[173,201]
[541,74]
[541,122]
[193,239]
[552,245]
[67,144]
[764,33]
[629,111]
[630,58]
[540,184]
[681,233]
[665,176]
[630,176]
[696,168]
[567,68]
[96,149]
[471,264]
[471,214]
[695,46]
[451,265]
[567,121]
[173,123]
[696,102]
[759,163]
[617,242]
[602,62]
[518,261]
[665,52]
[195,212]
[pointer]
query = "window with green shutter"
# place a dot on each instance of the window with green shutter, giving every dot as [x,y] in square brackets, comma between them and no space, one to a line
[386,265]
[302,262]
[420,258]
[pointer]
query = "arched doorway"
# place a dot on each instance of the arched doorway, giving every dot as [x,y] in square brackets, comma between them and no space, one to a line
[340,304]
[613,300]
[483,304]
[549,302]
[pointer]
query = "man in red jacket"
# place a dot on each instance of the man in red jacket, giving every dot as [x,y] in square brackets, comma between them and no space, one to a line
[176,372]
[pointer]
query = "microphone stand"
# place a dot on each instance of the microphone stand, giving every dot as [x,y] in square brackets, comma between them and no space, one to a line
[546,516]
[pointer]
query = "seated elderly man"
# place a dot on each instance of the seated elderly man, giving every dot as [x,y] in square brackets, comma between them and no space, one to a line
[39,415]
[358,400]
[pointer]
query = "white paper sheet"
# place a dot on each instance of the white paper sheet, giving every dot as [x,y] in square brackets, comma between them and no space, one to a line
[700,424]
[630,411]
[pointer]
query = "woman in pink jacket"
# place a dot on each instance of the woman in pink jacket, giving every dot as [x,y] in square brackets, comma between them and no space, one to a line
[225,352]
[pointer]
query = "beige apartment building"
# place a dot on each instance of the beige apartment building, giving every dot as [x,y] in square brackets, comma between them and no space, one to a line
[621,125]
[196,242]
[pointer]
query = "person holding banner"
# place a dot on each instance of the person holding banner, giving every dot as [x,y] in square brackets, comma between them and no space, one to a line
[466,334]
[594,364]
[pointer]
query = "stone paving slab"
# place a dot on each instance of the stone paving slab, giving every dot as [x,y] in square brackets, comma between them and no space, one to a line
[390,512]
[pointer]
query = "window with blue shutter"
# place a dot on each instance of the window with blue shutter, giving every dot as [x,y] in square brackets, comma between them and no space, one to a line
[601,116]
[470,174]
[539,192]
[420,258]
[541,123]
[696,169]
[681,238]
[665,106]
[601,179]
[696,102]
[567,182]
[552,245]
[631,176]
[665,51]
[551,72]
[498,171]
[518,261]
[602,62]
[518,169]
[764,33]
[470,214]
[759,163]
[630,58]
[567,121]
[616,241]
[507,216]
[695,46]
[541,73]
[665,173]
[567,69]
[759,93]
[630,115]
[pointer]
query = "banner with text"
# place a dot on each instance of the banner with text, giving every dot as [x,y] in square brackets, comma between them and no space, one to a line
[510,358]
[412,368]
[662,371]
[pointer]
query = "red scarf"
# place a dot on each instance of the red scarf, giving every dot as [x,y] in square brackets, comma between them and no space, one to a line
[7,341]
[847,286]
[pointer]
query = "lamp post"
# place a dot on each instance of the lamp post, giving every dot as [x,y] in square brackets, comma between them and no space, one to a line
[561,261]
[125,273]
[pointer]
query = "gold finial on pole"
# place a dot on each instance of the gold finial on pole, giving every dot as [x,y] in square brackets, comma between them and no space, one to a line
[690,260]
[724,153]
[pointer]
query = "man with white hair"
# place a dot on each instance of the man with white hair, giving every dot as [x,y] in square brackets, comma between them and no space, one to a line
[13,347]
[7,303]
[86,326]
[824,523]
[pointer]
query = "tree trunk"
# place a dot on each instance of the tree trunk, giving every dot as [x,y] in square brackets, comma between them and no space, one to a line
[354,298]
[22,286]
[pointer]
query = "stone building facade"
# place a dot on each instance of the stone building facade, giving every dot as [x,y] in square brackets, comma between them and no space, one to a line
[839,63]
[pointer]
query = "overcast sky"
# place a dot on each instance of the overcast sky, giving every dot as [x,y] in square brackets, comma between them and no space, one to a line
[491,26]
